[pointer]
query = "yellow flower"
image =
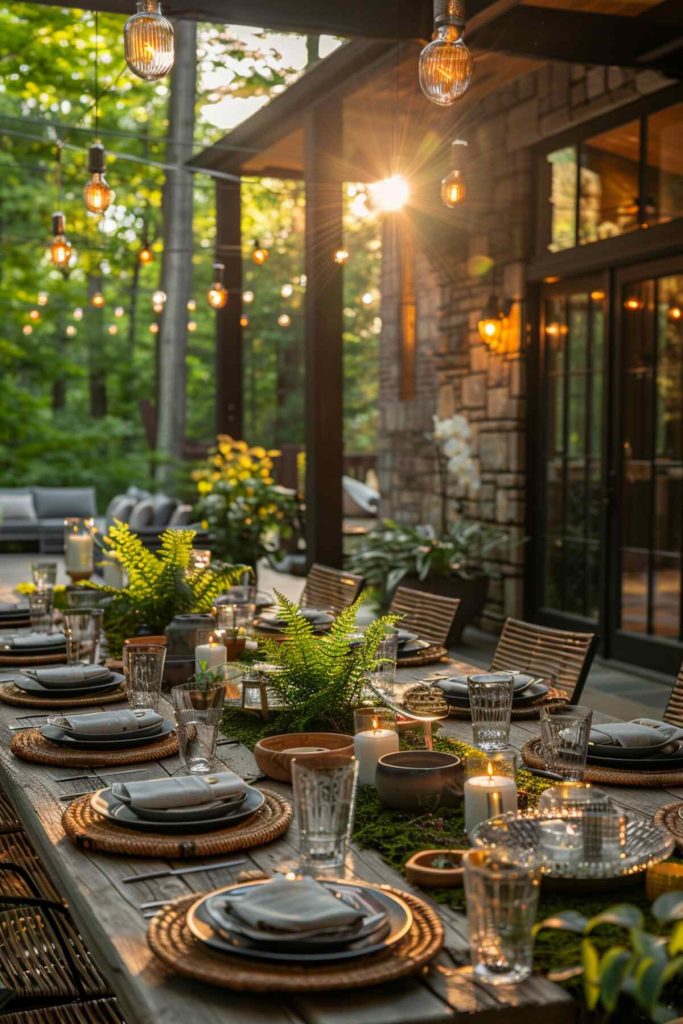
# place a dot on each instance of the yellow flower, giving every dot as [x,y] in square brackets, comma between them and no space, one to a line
[204,524]
[204,487]
[258,452]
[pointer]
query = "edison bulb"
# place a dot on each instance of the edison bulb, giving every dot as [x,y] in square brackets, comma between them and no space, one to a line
[145,255]
[445,66]
[148,42]
[341,256]
[159,297]
[98,300]
[390,194]
[284,320]
[453,189]
[287,291]
[158,307]
[97,194]
[259,254]
[244,321]
[60,249]
[247,297]
[217,295]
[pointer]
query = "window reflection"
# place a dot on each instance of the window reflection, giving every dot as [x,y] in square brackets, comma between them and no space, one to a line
[608,203]
[563,198]
[664,172]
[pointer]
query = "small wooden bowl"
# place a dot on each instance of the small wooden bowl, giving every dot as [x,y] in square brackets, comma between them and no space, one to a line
[419,869]
[273,759]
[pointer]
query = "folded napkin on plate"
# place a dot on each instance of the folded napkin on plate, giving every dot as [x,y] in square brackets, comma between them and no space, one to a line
[184,791]
[292,905]
[64,676]
[107,723]
[38,640]
[642,732]
[457,685]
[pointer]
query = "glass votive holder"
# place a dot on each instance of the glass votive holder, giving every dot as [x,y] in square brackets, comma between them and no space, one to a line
[79,548]
[601,828]
[490,786]
[375,735]
[231,674]
[44,573]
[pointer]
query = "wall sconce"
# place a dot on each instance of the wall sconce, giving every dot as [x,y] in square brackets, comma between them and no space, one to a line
[493,321]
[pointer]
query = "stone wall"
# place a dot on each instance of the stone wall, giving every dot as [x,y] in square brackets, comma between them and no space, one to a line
[483,248]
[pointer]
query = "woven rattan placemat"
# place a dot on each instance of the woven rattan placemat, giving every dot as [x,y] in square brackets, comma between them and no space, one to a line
[428,656]
[11,694]
[171,940]
[90,831]
[530,711]
[670,818]
[608,776]
[31,745]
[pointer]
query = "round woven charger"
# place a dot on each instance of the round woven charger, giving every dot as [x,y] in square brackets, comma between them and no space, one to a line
[91,831]
[171,940]
[11,694]
[426,657]
[31,745]
[608,776]
[530,711]
[668,817]
[37,659]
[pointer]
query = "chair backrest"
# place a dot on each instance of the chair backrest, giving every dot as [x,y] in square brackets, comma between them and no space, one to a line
[541,650]
[330,588]
[429,615]
[674,707]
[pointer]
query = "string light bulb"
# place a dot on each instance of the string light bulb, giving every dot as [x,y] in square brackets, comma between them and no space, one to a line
[158,297]
[244,321]
[97,300]
[453,188]
[148,42]
[446,65]
[259,254]
[27,329]
[287,291]
[34,315]
[60,249]
[247,297]
[217,294]
[113,329]
[284,320]
[71,331]
[42,298]
[192,325]
[390,194]
[341,256]
[97,193]
[145,255]
[191,305]
[633,304]
[154,328]
[119,311]
[78,313]
[675,313]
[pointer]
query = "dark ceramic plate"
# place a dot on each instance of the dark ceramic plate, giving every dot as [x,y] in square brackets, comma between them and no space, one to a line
[626,753]
[528,696]
[64,739]
[109,807]
[399,917]
[413,647]
[657,763]
[34,687]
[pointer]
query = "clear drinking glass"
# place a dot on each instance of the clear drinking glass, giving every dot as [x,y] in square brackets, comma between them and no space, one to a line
[44,574]
[383,675]
[40,610]
[565,730]
[145,670]
[198,713]
[81,597]
[490,696]
[83,628]
[324,802]
[501,888]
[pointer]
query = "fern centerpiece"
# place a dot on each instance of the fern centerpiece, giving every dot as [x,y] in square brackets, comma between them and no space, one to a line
[160,584]
[321,677]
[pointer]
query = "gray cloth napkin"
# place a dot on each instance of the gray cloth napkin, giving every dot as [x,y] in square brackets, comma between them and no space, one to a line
[292,905]
[107,723]
[38,640]
[457,685]
[183,791]
[64,676]
[642,732]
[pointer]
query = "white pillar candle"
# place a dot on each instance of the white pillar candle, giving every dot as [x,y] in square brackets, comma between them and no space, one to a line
[486,796]
[78,552]
[369,746]
[213,654]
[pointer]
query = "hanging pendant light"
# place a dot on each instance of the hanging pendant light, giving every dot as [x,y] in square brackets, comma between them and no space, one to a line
[97,300]
[453,188]
[97,193]
[145,255]
[217,294]
[446,64]
[60,249]
[148,42]
[259,254]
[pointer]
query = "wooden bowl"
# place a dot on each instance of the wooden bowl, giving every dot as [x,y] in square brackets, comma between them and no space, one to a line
[420,869]
[274,754]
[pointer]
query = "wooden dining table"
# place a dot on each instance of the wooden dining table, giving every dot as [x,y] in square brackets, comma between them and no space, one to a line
[108,911]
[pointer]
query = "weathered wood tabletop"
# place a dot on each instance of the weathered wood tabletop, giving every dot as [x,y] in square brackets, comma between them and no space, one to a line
[108,913]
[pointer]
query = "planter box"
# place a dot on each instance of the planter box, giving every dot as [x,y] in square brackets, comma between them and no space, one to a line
[471,591]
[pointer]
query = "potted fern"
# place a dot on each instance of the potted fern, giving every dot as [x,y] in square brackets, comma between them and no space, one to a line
[161,585]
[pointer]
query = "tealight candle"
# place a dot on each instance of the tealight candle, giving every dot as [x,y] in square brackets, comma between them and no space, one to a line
[212,653]
[487,796]
[376,735]
[78,554]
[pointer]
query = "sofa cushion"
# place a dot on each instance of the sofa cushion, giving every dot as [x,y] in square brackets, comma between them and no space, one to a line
[164,507]
[138,493]
[142,515]
[17,507]
[120,507]
[182,516]
[62,502]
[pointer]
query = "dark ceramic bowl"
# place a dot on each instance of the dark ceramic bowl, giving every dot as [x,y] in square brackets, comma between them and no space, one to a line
[419,780]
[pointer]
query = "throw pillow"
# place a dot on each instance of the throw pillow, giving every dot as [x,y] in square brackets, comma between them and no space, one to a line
[17,508]
[142,516]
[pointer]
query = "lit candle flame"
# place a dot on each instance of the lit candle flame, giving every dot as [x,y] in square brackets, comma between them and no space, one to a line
[375,724]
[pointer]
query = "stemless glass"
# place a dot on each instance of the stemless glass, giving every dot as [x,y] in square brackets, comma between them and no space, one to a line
[83,628]
[501,888]
[198,713]
[40,609]
[44,574]
[565,730]
[324,802]
[144,672]
[383,675]
[490,696]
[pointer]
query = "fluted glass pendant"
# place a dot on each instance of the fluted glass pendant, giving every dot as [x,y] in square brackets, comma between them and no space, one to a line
[148,42]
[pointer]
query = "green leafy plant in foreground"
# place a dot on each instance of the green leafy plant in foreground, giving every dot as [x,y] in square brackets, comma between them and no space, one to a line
[160,584]
[639,969]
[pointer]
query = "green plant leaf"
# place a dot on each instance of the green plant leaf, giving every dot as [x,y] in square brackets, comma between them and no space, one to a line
[668,907]
[623,915]
[647,946]
[650,978]
[590,959]
[676,940]
[568,921]
[613,969]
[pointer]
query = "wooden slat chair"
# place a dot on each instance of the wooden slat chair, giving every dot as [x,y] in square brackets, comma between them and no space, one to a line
[330,588]
[429,615]
[541,650]
[99,1011]
[674,707]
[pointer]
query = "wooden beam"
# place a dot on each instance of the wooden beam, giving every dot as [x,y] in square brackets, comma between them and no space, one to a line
[229,371]
[323,335]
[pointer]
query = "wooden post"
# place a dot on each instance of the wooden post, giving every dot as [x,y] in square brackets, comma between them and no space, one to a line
[323,335]
[229,383]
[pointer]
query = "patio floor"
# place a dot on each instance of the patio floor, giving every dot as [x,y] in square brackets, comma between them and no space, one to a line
[611,688]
